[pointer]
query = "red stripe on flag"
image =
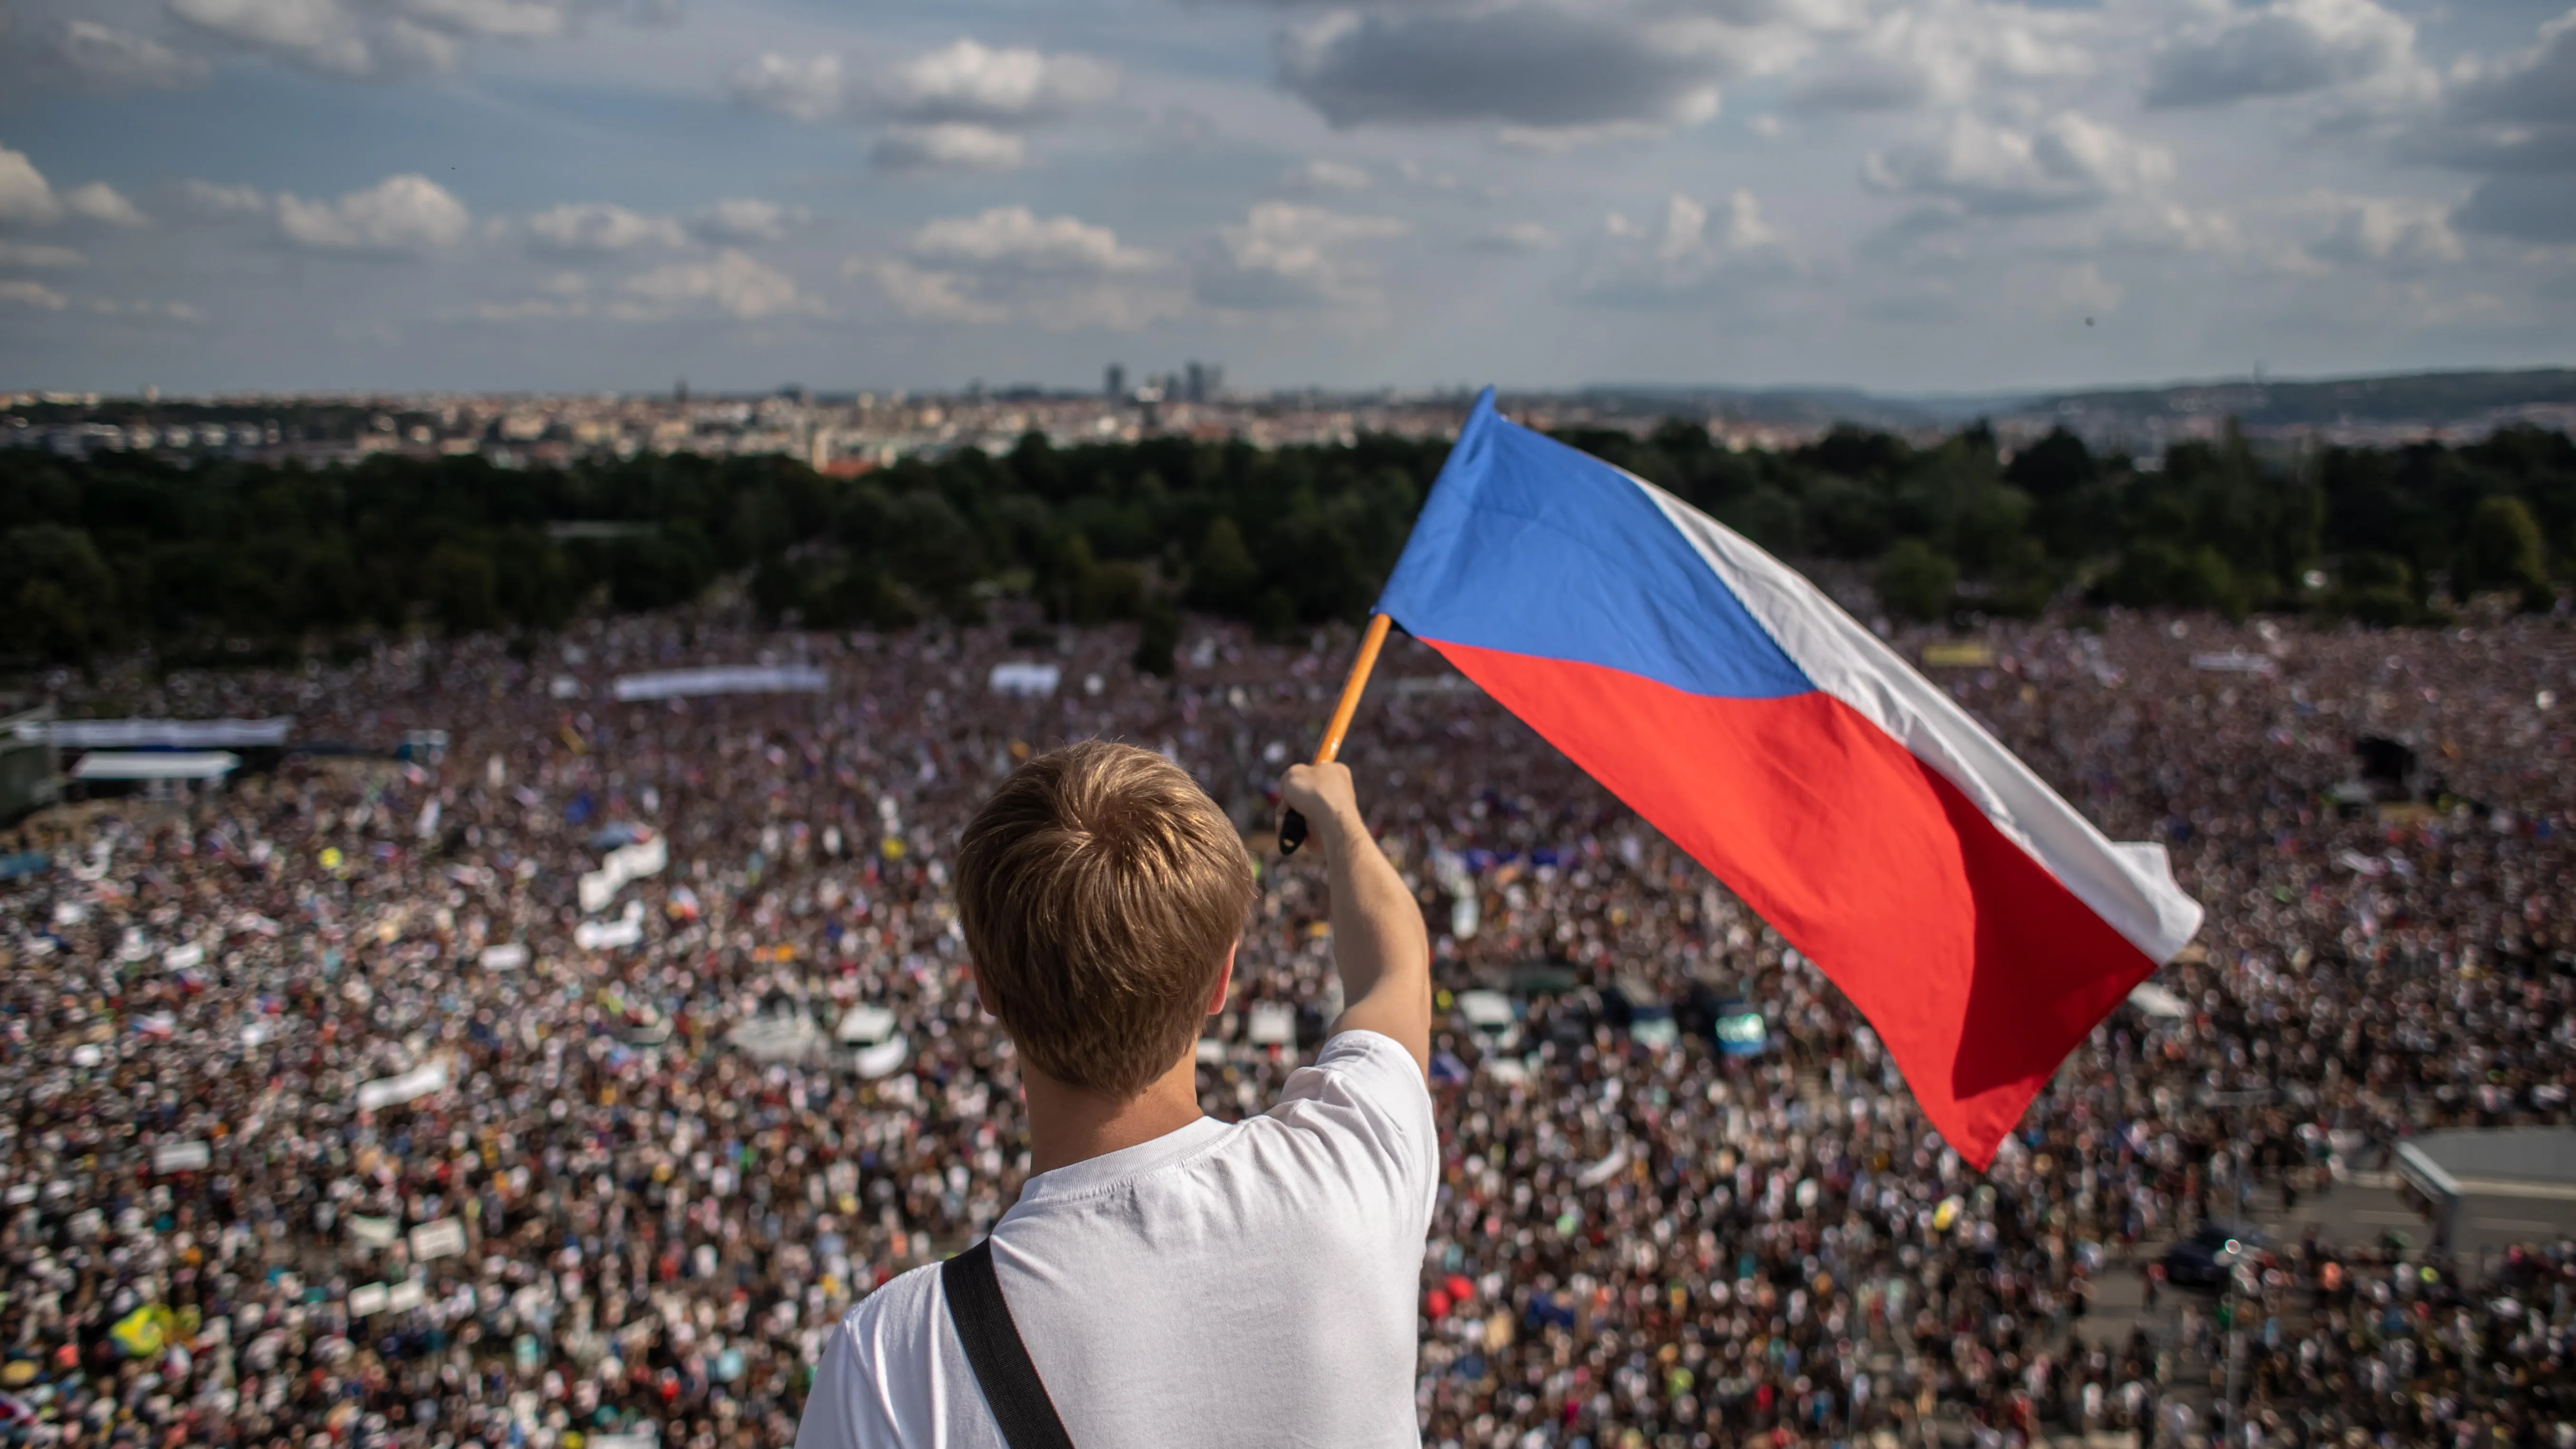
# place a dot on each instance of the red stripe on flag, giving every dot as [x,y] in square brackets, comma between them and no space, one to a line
[1976,967]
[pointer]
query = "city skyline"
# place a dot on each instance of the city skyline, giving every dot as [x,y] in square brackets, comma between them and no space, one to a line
[223,196]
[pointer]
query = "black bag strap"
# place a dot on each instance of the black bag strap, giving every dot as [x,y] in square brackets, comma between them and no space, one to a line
[1012,1389]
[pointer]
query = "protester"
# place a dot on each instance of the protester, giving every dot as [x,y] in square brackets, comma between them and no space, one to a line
[1635,1243]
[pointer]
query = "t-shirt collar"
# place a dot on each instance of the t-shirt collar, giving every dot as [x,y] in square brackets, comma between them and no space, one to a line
[1093,1174]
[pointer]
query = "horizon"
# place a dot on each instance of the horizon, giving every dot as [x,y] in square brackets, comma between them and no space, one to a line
[1433,393]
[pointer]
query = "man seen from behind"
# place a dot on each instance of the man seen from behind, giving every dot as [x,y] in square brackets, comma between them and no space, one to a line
[1175,1280]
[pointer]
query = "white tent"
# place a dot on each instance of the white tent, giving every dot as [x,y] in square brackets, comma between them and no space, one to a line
[721,679]
[156,765]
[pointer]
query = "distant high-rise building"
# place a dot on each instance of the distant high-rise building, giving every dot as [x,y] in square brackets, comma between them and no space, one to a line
[1202,382]
[1113,382]
[680,391]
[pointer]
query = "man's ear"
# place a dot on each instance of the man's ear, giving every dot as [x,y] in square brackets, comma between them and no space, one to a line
[984,998]
[1224,979]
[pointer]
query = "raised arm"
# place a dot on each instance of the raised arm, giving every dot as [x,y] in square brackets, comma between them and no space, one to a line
[1378,941]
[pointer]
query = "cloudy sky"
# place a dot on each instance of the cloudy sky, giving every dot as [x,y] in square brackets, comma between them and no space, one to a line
[1916,195]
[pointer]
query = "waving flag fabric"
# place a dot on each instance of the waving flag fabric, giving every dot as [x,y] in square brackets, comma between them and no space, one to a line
[1981,923]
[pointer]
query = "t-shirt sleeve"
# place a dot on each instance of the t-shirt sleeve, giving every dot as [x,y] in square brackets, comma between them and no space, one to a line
[842,1399]
[1366,1092]
[879,1384]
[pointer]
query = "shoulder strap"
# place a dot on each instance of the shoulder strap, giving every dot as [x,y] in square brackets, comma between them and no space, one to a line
[1012,1389]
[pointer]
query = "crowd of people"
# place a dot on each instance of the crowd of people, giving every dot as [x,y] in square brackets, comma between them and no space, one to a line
[338,1120]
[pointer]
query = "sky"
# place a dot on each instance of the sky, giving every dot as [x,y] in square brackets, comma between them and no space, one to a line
[1937,196]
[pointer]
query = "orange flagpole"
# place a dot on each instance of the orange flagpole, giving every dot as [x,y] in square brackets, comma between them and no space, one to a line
[1292,826]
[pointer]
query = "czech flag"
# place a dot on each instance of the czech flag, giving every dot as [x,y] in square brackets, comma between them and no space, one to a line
[1982,925]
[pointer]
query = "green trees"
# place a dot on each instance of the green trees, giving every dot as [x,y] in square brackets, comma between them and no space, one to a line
[122,548]
[2503,551]
[61,594]
[1223,575]
[1916,582]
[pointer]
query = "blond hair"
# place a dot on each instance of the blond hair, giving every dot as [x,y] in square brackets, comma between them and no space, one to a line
[1100,889]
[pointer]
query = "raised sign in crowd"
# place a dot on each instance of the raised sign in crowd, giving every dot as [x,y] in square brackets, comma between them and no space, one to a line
[336,1120]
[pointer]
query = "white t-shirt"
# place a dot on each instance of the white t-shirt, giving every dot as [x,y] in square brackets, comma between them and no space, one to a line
[1241,1284]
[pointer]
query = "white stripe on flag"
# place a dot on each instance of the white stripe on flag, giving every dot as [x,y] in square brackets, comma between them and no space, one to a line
[2131,891]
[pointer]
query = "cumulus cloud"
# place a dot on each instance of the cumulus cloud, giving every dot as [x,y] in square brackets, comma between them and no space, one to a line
[32,294]
[929,295]
[38,254]
[379,37]
[101,203]
[400,215]
[2065,163]
[1015,239]
[2284,48]
[1514,237]
[1287,255]
[966,106]
[217,202]
[596,228]
[517,19]
[2376,229]
[1008,263]
[2536,85]
[1692,255]
[970,82]
[561,297]
[315,33]
[1944,53]
[807,88]
[103,56]
[2515,113]
[1323,175]
[1536,69]
[949,146]
[28,199]
[746,219]
[733,282]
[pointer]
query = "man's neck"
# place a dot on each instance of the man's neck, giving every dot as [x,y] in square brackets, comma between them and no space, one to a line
[1069,1125]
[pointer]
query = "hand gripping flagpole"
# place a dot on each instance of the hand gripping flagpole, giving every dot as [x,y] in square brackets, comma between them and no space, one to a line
[1292,826]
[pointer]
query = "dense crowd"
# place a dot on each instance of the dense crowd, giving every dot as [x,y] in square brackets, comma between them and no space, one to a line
[329,1128]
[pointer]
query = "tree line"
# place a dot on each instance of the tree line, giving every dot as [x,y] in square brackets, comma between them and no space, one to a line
[124,550]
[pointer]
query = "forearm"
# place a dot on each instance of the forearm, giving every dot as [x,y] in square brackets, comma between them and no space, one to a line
[1379,943]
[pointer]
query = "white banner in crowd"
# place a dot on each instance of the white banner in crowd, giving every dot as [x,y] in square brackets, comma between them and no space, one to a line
[443,1238]
[617,935]
[168,734]
[2235,661]
[2156,1001]
[627,862]
[721,679]
[1035,681]
[394,1091]
[181,1157]
[1271,1023]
